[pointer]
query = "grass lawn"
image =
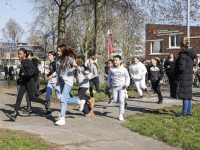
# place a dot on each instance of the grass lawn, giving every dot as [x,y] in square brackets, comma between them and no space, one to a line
[18,140]
[163,125]
[99,97]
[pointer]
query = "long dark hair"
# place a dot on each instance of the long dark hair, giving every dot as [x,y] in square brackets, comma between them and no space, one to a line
[67,51]
[169,56]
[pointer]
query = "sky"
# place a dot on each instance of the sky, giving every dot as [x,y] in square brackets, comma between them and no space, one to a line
[20,11]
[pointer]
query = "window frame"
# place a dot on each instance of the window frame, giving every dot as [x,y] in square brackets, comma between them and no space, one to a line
[151,46]
[175,39]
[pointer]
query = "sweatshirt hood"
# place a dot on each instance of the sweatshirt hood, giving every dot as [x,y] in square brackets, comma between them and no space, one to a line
[190,52]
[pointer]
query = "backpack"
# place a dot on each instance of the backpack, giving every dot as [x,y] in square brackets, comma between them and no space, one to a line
[86,108]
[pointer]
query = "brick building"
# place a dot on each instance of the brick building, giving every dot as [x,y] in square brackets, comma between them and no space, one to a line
[161,40]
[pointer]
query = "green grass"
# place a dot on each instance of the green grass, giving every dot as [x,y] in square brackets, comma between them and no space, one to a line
[17,140]
[99,97]
[162,124]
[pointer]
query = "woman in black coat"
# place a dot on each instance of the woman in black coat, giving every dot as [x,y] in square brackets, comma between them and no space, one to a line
[183,71]
[169,65]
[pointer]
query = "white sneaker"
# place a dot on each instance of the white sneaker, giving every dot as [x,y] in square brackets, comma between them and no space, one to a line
[121,118]
[94,91]
[110,101]
[59,116]
[61,121]
[81,105]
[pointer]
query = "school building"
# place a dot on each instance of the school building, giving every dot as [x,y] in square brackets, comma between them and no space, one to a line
[161,40]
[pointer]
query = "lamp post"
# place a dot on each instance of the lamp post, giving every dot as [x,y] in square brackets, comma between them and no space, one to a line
[9,68]
[188,22]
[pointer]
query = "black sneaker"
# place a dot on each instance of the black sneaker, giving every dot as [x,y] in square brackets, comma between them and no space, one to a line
[28,111]
[106,91]
[12,116]
[126,105]
[47,105]
[141,97]
[189,115]
[181,115]
[48,113]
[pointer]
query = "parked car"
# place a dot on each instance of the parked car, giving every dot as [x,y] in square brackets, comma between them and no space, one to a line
[2,72]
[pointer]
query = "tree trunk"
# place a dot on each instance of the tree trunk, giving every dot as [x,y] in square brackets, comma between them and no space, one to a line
[54,27]
[61,21]
[100,36]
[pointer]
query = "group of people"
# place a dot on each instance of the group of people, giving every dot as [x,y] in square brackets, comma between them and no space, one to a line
[9,71]
[65,66]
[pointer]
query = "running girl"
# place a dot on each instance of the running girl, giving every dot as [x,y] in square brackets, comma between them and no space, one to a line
[27,72]
[64,66]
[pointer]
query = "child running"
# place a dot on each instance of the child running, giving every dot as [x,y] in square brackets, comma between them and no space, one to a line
[26,76]
[64,64]
[118,80]
[82,78]
[94,79]
[52,75]
[155,76]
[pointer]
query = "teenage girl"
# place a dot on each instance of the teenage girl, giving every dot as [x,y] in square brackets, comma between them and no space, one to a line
[36,83]
[94,79]
[155,76]
[52,80]
[82,78]
[64,65]
[27,72]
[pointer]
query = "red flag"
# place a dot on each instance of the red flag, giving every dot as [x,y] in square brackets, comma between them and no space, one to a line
[110,44]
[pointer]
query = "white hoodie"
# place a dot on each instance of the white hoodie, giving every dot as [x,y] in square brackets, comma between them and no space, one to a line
[137,70]
[118,77]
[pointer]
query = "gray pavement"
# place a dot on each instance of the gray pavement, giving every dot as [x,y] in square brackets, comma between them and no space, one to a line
[102,131]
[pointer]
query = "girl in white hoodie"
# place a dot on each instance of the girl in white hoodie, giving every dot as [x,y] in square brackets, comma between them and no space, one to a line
[137,72]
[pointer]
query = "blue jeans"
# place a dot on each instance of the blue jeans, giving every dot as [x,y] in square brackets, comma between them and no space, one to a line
[187,107]
[49,89]
[65,97]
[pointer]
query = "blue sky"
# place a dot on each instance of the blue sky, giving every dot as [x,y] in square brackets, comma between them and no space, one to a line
[19,10]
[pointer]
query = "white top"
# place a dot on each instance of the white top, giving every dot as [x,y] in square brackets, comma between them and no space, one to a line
[118,77]
[137,70]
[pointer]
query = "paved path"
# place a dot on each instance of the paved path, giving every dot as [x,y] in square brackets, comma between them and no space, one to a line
[102,131]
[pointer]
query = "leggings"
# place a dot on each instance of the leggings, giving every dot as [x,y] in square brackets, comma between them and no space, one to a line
[82,91]
[27,86]
[140,84]
[156,88]
[95,81]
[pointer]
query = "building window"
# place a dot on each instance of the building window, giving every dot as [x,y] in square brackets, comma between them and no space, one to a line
[175,41]
[156,47]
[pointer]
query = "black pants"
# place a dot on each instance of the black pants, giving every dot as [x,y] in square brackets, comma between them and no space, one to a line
[171,80]
[156,88]
[29,87]
[82,91]
[95,81]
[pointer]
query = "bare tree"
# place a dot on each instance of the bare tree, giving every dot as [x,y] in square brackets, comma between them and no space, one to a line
[12,31]
[81,22]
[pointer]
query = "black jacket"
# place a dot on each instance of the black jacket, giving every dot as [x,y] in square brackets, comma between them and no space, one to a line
[28,69]
[183,73]
[37,72]
[155,74]
[171,64]
[52,68]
